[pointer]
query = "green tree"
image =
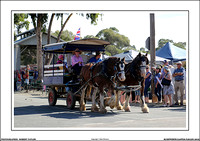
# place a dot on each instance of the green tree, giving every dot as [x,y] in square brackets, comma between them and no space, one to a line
[129,48]
[66,35]
[21,22]
[93,17]
[181,45]
[112,50]
[111,35]
[39,22]
[162,42]
[119,43]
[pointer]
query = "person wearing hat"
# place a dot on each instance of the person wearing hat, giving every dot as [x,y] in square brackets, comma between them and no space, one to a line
[77,61]
[96,58]
[178,74]
[157,85]
[168,90]
[165,62]
[60,59]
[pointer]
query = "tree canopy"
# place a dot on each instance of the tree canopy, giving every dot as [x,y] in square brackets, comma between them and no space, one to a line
[20,21]
[119,43]
[162,42]
[112,35]
[66,35]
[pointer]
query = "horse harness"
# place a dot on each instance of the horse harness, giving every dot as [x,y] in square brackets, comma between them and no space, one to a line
[103,72]
[132,70]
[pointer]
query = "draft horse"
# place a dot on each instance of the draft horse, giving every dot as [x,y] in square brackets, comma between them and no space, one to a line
[135,72]
[101,76]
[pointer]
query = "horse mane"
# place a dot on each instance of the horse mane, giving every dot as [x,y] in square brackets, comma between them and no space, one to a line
[133,66]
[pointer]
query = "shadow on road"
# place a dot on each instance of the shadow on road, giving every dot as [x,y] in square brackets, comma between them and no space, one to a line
[78,114]
[60,111]
[178,109]
[28,110]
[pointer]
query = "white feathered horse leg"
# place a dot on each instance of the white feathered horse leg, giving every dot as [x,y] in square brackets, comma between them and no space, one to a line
[102,106]
[144,107]
[118,103]
[94,107]
[82,101]
[126,106]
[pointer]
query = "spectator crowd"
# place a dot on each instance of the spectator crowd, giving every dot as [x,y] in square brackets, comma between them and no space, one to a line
[166,89]
[22,78]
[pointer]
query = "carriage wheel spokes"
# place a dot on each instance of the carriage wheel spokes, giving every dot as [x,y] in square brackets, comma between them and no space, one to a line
[52,97]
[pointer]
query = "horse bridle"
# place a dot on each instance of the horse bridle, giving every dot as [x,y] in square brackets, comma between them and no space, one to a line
[116,72]
[121,71]
[140,67]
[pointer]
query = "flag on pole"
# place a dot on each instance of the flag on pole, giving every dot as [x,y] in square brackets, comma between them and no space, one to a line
[78,35]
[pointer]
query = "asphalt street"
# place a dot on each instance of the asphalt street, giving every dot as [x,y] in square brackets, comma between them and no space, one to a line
[31,110]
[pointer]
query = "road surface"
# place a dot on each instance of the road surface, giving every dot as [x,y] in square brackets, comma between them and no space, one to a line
[31,111]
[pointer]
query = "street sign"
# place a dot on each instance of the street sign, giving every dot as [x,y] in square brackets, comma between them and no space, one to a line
[147,43]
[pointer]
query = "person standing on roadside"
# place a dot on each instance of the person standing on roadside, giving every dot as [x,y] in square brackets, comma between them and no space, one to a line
[147,84]
[179,82]
[168,90]
[27,80]
[157,85]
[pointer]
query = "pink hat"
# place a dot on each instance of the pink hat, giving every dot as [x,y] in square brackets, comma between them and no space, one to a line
[60,56]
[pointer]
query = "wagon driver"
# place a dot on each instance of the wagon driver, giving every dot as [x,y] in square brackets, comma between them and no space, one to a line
[96,58]
[77,61]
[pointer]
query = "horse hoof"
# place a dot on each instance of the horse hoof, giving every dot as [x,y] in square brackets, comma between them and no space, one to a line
[112,106]
[127,109]
[103,111]
[94,109]
[119,107]
[145,109]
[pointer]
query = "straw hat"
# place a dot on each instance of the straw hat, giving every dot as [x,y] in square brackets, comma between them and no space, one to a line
[179,62]
[77,50]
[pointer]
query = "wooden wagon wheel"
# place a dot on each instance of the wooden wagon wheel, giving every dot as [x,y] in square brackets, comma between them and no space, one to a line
[52,97]
[70,100]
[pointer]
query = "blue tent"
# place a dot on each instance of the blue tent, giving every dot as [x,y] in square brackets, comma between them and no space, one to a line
[171,52]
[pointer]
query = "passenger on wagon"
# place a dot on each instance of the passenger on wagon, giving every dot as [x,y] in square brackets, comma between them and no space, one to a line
[96,58]
[60,59]
[77,62]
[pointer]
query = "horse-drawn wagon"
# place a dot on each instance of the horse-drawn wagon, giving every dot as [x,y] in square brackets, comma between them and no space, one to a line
[112,74]
[58,77]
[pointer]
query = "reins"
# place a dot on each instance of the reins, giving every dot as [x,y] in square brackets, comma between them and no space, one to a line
[111,78]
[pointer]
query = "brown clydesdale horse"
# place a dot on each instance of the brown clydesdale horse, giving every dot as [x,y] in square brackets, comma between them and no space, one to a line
[135,72]
[99,77]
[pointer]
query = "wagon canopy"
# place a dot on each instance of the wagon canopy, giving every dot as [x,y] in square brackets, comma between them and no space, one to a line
[90,44]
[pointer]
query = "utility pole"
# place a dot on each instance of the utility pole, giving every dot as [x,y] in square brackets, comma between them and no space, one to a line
[152,54]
